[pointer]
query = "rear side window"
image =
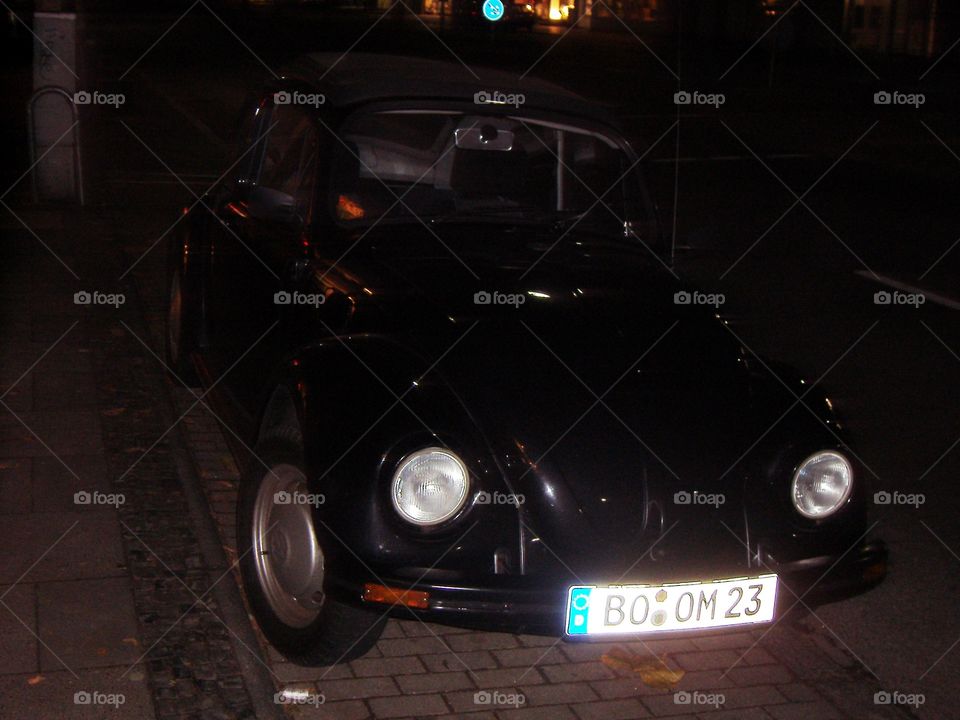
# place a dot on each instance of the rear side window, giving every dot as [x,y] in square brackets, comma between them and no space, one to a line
[289,159]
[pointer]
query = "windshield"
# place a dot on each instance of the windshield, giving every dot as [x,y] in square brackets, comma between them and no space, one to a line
[450,166]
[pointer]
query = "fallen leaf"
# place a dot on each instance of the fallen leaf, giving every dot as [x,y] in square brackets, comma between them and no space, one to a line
[131,641]
[101,651]
[613,661]
[660,676]
[654,672]
[113,412]
[35,680]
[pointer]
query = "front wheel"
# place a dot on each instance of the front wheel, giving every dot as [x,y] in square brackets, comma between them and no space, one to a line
[283,565]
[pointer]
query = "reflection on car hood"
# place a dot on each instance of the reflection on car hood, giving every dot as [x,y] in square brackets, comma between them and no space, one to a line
[598,393]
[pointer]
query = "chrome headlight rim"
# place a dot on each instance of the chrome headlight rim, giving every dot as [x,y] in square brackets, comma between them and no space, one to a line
[801,466]
[396,480]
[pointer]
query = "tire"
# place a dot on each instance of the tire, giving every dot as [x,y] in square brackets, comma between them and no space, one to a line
[181,329]
[282,564]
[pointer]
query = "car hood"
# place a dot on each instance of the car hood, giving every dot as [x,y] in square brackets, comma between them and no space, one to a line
[600,396]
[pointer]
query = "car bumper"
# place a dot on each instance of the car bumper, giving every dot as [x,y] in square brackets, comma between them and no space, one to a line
[531,605]
[829,577]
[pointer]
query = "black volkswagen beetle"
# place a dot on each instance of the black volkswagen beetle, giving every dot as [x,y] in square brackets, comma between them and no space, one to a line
[440,311]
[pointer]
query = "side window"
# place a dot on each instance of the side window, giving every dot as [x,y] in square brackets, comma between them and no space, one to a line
[289,162]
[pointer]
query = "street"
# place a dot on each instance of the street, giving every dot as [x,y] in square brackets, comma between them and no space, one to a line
[797,198]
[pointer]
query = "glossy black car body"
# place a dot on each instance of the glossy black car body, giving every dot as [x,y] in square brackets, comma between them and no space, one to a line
[598,400]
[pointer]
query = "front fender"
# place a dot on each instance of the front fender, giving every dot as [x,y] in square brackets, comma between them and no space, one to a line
[811,424]
[363,402]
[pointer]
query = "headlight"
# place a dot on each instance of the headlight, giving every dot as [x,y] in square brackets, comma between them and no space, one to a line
[430,486]
[821,484]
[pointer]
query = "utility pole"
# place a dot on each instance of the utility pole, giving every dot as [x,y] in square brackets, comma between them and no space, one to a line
[54,132]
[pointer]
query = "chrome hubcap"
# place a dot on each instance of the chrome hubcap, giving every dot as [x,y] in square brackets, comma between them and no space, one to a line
[289,562]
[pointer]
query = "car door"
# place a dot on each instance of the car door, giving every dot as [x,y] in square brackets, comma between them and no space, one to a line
[260,249]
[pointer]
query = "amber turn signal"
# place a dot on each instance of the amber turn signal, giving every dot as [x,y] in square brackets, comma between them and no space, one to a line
[348,209]
[395,596]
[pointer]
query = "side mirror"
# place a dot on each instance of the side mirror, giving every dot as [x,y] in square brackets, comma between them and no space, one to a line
[264,203]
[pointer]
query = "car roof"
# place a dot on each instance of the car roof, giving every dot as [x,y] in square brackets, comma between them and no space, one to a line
[356,78]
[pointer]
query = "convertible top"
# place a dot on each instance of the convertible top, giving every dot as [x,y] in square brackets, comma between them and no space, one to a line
[357,78]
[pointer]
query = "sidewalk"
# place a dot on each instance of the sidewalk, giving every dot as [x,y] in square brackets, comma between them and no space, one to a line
[107,610]
[69,621]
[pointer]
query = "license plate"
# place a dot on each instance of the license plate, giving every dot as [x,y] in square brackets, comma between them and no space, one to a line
[620,609]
